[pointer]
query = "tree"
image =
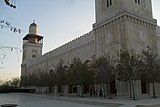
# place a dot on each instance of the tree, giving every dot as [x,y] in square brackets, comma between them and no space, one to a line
[42,77]
[51,78]
[24,81]
[104,72]
[90,75]
[128,68]
[30,80]
[151,70]
[78,74]
[85,75]
[71,77]
[10,84]
[61,75]
[15,82]
[33,79]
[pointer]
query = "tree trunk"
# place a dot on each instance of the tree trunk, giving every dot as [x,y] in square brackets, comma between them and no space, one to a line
[93,91]
[134,97]
[109,90]
[77,90]
[154,93]
[104,93]
[130,87]
[61,90]
[82,89]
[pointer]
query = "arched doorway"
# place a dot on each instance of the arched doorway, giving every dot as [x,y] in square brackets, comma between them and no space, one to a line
[145,86]
[113,86]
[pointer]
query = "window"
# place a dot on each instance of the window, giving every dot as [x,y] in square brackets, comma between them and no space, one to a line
[109,3]
[138,2]
[106,3]
[33,56]
[34,53]
[135,1]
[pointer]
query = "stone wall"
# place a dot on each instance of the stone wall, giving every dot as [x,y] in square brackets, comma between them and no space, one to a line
[82,47]
[158,38]
[125,31]
[140,33]
[157,88]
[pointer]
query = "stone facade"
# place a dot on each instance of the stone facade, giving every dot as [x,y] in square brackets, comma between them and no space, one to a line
[119,24]
[82,47]
[124,24]
[158,38]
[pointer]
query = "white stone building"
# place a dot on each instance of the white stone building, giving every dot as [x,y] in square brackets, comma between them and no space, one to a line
[119,24]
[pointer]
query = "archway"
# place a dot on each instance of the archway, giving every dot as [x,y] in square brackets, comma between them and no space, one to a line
[112,86]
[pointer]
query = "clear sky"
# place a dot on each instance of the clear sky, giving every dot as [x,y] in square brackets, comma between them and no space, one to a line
[59,21]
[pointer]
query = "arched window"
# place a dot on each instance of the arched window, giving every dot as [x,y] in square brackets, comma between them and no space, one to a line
[135,1]
[105,4]
[109,3]
[33,56]
[138,2]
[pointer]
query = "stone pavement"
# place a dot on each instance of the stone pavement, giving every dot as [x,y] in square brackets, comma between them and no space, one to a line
[120,101]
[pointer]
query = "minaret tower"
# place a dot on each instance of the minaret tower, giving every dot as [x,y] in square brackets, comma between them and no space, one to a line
[124,24]
[32,46]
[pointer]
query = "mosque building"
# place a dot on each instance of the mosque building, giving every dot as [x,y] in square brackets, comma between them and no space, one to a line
[119,24]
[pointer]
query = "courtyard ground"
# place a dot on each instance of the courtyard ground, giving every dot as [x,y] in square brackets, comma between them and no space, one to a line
[43,100]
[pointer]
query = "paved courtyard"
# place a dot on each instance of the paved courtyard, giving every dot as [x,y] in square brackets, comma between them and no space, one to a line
[42,100]
[28,101]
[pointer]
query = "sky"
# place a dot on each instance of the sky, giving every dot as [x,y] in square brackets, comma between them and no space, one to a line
[59,21]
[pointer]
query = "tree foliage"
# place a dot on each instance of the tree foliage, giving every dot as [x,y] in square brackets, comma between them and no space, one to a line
[128,68]
[61,75]
[151,67]
[104,71]
[78,74]
[13,83]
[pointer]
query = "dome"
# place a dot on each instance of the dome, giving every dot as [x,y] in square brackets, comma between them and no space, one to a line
[33,28]
[33,24]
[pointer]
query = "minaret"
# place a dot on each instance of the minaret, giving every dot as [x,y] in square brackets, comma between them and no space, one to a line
[33,28]
[32,46]
[107,9]
[124,24]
